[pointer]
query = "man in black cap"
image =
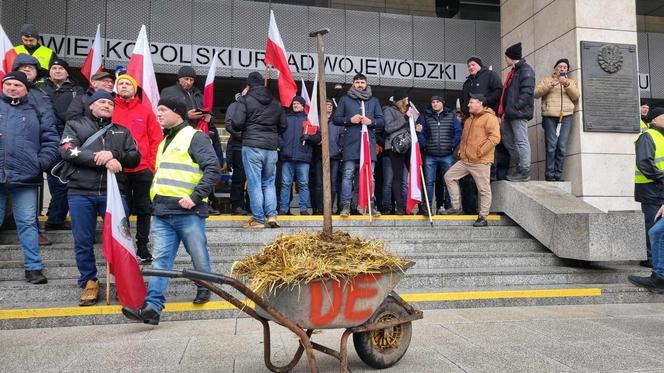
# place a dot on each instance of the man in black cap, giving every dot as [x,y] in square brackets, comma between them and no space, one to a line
[112,148]
[30,142]
[183,181]
[78,107]
[239,196]
[61,90]
[261,119]
[30,45]
[649,190]
[516,109]
[184,89]
[483,81]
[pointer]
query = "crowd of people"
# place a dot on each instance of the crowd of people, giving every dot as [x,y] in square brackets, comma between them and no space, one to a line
[168,163]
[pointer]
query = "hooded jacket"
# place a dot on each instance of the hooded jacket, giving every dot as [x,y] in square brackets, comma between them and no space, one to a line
[260,118]
[29,142]
[143,125]
[481,134]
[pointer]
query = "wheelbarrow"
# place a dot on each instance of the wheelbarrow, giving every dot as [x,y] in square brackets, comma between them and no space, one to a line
[365,306]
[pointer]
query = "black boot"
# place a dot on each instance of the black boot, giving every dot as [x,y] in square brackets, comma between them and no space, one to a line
[35,277]
[143,254]
[652,283]
[202,296]
[345,210]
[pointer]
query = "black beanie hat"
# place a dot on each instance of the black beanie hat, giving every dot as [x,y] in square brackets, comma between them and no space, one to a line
[655,112]
[186,71]
[17,75]
[29,29]
[437,98]
[175,104]
[480,97]
[299,99]
[399,94]
[98,95]
[255,79]
[563,60]
[60,62]
[514,51]
[475,59]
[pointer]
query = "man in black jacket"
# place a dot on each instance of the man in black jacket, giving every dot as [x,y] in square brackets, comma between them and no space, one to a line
[234,162]
[114,150]
[516,109]
[261,119]
[61,90]
[78,107]
[483,81]
[183,180]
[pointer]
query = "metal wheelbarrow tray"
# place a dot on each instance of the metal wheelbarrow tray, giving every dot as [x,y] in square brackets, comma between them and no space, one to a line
[365,306]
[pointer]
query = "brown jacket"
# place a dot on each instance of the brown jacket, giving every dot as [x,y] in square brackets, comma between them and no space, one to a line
[481,134]
[549,90]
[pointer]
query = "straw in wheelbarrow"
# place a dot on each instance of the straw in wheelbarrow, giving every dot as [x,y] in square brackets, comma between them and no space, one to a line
[307,256]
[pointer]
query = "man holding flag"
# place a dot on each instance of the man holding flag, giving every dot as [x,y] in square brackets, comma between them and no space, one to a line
[360,113]
[187,169]
[481,134]
[93,144]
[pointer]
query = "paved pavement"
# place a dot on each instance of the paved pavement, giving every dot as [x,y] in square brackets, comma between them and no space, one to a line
[585,338]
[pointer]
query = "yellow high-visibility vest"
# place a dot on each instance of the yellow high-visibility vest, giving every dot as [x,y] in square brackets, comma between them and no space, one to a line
[644,126]
[42,54]
[658,138]
[176,173]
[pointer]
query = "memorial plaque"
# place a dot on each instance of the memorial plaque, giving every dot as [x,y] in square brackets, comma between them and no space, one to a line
[610,87]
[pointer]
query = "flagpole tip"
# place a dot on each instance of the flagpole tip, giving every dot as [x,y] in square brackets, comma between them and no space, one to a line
[321,32]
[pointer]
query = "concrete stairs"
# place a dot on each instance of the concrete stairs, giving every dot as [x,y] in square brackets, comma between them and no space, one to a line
[456,266]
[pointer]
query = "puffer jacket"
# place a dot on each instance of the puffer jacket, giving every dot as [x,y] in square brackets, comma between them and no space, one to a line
[550,91]
[291,147]
[260,118]
[28,142]
[518,100]
[481,134]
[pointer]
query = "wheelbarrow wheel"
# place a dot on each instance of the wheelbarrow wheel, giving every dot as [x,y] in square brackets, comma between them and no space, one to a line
[384,347]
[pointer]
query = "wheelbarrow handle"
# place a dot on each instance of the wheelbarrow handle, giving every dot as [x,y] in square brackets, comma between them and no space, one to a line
[206,276]
[161,273]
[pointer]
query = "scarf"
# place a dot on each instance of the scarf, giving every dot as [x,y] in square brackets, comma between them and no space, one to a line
[508,82]
[360,95]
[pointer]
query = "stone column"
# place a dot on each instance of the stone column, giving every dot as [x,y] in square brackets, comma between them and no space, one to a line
[599,165]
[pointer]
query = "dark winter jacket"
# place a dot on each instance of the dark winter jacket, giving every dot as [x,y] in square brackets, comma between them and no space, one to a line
[203,154]
[290,142]
[60,97]
[518,99]
[442,131]
[335,134]
[90,179]
[235,140]
[79,106]
[260,118]
[396,123]
[352,136]
[193,99]
[486,82]
[645,160]
[29,142]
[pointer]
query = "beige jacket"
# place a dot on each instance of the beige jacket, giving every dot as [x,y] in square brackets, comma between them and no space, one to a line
[481,134]
[549,90]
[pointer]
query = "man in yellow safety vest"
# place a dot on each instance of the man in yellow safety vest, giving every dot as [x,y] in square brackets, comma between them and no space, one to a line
[30,45]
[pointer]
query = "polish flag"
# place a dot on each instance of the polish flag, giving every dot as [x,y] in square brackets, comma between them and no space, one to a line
[364,174]
[414,195]
[208,95]
[7,52]
[119,250]
[312,124]
[275,55]
[140,68]
[305,95]
[93,63]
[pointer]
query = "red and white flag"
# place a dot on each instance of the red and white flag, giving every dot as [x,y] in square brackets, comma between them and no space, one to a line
[312,124]
[365,178]
[414,195]
[208,95]
[93,62]
[275,55]
[140,68]
[119,250]
[7,53]
[305,95]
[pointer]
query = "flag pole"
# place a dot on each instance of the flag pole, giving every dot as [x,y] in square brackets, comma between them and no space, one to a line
[266,74]
[108,284]
[426,195]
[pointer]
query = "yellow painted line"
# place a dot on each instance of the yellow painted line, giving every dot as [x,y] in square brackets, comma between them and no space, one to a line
[337,217]
[502,294]
[12,314]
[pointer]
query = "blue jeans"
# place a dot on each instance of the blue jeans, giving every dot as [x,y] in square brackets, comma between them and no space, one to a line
[656,234]
[167,233]
[260,167]
[649,211]
[289,171]
[556,145]
[24,207]
[514,134]
[349,172]
[58,208]
[433,163]
[84,211]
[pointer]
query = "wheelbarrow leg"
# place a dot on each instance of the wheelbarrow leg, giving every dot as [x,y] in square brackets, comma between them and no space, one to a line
[343,351]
